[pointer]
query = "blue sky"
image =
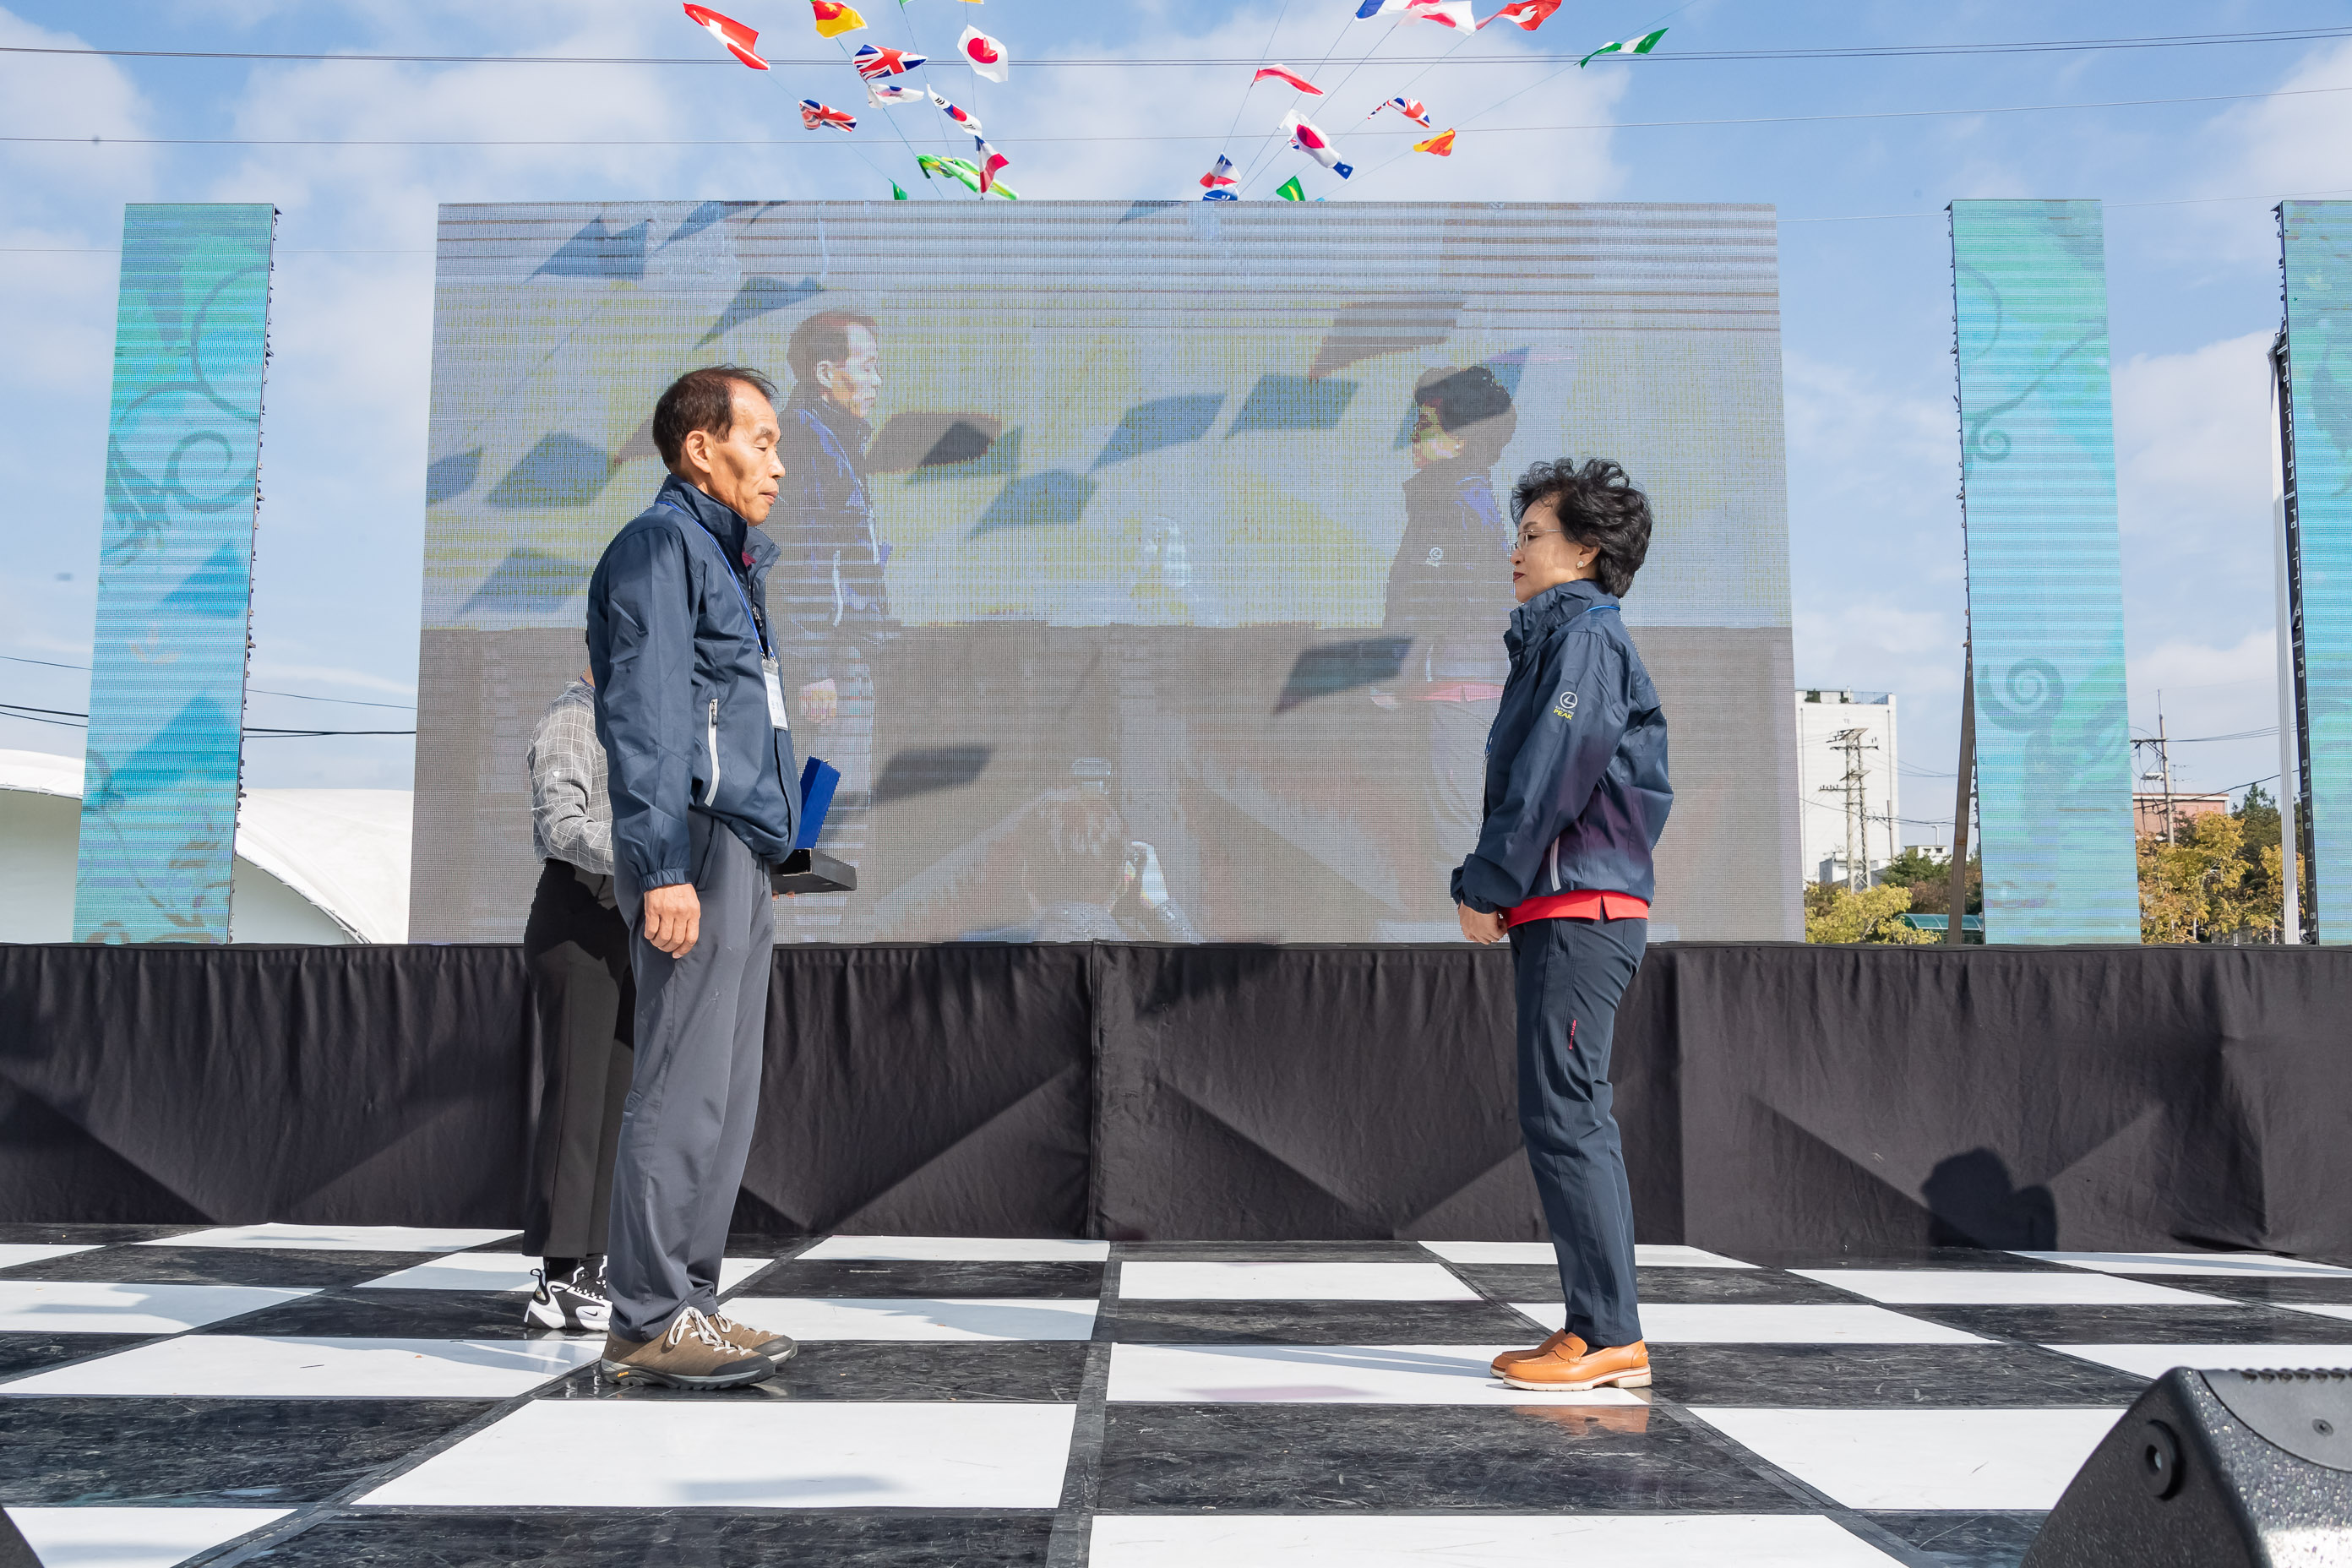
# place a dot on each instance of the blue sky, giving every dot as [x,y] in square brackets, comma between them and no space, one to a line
[1872,456]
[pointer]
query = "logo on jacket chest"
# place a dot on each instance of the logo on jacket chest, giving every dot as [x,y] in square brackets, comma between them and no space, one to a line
[1565,707]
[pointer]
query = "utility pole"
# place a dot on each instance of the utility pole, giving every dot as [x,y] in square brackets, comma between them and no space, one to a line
[2161,775]
[1854,742]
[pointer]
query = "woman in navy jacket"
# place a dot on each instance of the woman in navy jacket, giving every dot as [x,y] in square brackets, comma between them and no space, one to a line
[1576,796]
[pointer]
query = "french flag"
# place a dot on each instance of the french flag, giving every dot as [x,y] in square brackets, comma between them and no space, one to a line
[1221,175]
[738,37]
[989,161]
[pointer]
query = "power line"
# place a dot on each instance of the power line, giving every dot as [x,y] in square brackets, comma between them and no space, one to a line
[255,690]
[1157,137]
[1866,52]
[68,718]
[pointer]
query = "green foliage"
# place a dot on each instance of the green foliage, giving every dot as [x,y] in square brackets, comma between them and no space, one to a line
[2216,878]
[1834,913]
[1929,877]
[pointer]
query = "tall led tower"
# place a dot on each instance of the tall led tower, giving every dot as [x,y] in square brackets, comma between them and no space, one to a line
[2044,571]
[176,575]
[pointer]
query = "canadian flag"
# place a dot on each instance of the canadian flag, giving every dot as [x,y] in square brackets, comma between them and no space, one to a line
[985,54]
[738,37]
[1526,13]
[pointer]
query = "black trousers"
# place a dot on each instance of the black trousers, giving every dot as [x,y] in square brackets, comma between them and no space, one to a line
[583,1001]
[1570,976]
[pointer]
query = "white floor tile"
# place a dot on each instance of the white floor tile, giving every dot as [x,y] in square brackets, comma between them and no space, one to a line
[2005,1287]
[132,1537]
[15,1254]
[1325,1374]
[2235,1265]
[2319,1309]
[228,1366]
[2154,1361]
[749,1453]
[336,1237]
[1666,1323]
[955,1249]
[892,1318]
[1924,1459]
[1181,1282]
[1475,1540]
[1646,1255]
[502,1271]
[92,1307]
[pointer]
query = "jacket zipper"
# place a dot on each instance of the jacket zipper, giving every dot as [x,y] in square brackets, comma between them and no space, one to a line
[710,790]
[1555,865]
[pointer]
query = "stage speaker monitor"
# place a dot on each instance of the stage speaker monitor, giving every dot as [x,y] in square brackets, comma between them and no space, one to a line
[2214,1469]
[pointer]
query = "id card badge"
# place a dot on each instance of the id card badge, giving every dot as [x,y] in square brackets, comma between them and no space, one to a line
[773,674]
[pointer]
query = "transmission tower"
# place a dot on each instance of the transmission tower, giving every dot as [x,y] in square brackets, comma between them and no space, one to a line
[1854,742]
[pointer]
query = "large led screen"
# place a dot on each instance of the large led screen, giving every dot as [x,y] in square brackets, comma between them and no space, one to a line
[2045,571]
[1145,613]
[175,574]
[2317,241]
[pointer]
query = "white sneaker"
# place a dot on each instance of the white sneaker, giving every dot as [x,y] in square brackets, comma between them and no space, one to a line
[576,1305]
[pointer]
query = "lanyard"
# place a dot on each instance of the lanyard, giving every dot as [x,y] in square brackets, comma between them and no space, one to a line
[758,630]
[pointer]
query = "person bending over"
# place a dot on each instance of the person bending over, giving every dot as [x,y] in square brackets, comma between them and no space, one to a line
[1576,796]
[576,947]
[691,708]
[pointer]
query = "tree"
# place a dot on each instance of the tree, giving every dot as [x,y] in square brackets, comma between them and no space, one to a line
[1834,913]
[1928,876]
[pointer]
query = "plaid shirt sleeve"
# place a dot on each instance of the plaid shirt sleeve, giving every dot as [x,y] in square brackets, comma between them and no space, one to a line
[571,812]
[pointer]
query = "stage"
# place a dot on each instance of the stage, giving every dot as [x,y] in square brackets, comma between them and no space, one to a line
[353,1395]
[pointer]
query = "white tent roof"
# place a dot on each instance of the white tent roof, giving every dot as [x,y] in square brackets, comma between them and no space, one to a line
[345,850]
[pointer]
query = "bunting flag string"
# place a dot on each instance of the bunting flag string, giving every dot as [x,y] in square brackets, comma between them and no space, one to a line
[1641,45]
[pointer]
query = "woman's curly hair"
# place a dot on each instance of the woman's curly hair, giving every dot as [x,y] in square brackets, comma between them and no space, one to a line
[1598,506]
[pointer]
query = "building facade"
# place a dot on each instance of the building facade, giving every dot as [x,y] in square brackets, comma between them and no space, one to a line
[1842,731]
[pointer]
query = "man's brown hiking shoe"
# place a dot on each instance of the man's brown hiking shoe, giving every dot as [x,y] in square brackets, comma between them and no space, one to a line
[692,1354]
[777,1348]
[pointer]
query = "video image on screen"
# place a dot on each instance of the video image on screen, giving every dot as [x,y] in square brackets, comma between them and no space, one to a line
[1158,593]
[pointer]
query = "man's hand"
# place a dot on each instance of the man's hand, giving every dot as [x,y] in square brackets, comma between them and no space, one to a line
[1484,929]
[820,700]
[673,918]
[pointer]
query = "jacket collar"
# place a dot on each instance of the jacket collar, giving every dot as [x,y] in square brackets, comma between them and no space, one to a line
[847,428]
[746,546]
[1553,608]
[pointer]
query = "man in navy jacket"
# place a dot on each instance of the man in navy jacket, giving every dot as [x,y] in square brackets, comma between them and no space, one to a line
[690,710]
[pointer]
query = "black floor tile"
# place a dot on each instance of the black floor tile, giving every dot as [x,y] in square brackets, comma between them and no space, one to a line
[1322,1323]
[1859,1377]
[1904,1258]
[1397,1458]
[222,1266]
[91,1235]
[852,1279]
[1024,1372]
[1965,1540]
[37,1353]
[221,1452]
[1540,1282]
[2189,1324]
[1275,1252]
[682,1538]
[2329,1292]
[399,1315]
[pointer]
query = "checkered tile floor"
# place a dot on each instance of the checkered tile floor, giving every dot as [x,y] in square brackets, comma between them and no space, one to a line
[302,1394]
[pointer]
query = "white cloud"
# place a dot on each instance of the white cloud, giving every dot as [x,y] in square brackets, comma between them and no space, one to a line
[2193,448]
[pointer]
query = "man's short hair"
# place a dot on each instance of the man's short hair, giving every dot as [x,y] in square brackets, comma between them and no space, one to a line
[823,338]
[1598,506]
[1077,849]
[702,400]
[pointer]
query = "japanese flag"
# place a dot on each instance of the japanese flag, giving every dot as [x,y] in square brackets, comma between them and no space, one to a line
[985,55]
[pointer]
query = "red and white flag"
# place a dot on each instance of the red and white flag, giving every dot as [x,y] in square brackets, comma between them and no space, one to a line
[815,116]
[874,64]
[1526,13]
[1309,138]
[738,37]
[962,117]
[1284,73]
[989,161]
[1453,13]
[985,55]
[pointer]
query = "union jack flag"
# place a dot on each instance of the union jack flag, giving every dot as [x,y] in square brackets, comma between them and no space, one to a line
[814,114]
